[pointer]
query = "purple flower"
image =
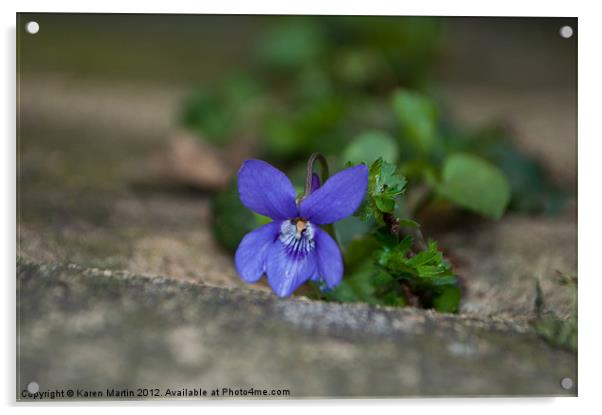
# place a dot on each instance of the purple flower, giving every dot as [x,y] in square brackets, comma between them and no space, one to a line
[293,248]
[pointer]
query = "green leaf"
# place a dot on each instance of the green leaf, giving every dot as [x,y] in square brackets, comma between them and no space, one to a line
[358,251]
[350,229]
[424,258]
[384,186]
[409,223]
[449,300]
[425,271]
[383,278]
[369,146]
[446,280]
[385,203]
[356,287]
[394,299]
[418,117]
[475,184]
[532,189]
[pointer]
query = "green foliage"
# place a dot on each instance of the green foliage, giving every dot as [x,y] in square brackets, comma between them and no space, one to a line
[394,256]
[532,191]
[475,184]
[214,112]
[386,50]
[331,84]
[425,274]
[357,286]
[448,298]
[370,146]
[205,113]
[358,251]
[384,187]
[418,117]
[385,268]
[312,127]
[393,271]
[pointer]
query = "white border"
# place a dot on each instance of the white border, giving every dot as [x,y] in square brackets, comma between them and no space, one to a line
[590,136]
[440,8]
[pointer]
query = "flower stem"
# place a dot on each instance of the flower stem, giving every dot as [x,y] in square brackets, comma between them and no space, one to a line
[310,171]
[308,181]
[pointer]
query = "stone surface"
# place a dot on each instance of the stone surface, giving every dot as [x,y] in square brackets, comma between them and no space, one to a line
[91,329]
[91,215]
[501,262]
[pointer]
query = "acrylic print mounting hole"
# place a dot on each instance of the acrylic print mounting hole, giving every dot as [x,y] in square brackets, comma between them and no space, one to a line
[32,27]
[33,387]
[566,383]
[566,32]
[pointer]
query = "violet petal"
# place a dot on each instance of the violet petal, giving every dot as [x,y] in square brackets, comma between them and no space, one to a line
[266,190]
[251,253]
[286,271]
[338,197]
[330,260]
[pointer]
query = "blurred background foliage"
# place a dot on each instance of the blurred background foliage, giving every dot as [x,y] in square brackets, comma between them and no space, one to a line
[358,89]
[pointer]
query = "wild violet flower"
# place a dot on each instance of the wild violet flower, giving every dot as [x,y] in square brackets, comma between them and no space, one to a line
[293,249]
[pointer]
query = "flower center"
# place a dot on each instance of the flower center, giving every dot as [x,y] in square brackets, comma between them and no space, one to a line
[301,225]
[297,235]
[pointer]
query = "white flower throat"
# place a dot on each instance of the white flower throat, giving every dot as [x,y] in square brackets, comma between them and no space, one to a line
[297,235]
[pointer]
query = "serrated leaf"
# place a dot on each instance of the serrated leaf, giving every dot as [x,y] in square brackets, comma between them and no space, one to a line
[384,186]
[475,184]
[425,271]
[424,257]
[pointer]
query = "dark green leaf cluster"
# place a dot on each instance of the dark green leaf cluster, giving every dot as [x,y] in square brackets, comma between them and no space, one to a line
[388,268]
[425,275]
[387,271]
